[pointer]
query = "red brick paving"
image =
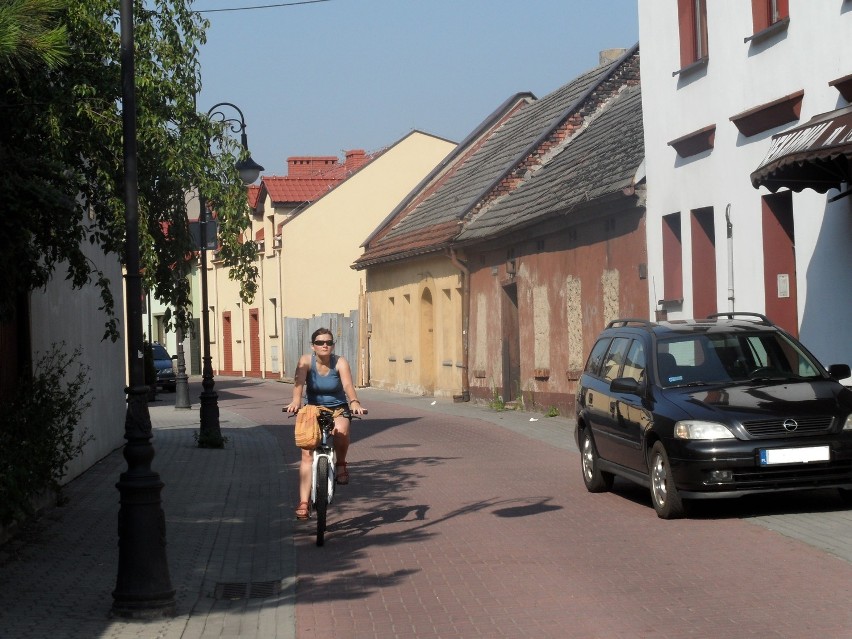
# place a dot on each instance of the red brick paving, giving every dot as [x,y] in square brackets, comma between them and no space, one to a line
[455,527]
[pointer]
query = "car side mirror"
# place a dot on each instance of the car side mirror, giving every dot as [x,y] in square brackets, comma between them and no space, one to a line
[839,371]
[626,385]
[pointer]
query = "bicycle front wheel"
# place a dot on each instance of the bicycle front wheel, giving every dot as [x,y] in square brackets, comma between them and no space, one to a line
[321,503]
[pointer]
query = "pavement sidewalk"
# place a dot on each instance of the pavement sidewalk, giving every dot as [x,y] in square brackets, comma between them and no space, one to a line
[234,549]
[229,529]
[229,532]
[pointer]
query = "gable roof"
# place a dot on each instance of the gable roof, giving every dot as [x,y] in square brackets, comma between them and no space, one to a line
[429,235]
[289,190]
[253,193]
[493,163]
[311,177]
[601,160]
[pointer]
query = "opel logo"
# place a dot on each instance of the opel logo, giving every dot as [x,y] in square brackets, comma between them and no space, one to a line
[790,425]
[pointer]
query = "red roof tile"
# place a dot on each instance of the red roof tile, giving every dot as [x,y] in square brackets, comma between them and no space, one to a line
[296,190]
[310,177]
[253,192]
[425,240]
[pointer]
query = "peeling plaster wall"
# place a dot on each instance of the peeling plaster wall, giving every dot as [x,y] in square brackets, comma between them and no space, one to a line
[541,327]
[610,287]
[574,324]
[570,283]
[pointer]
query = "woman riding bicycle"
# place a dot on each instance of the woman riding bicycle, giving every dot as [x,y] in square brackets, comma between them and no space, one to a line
[328,379]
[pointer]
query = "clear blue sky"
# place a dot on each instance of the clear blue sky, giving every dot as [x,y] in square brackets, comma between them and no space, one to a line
[321,78]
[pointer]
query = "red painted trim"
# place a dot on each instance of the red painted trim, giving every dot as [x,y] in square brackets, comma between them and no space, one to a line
[672,258]
[779,257]
[703,263]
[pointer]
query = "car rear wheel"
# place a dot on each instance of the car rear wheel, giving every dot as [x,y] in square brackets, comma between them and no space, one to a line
[664,495]
[596,480]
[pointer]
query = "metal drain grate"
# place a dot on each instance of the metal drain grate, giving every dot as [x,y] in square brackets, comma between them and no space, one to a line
[257,590]
[263,589]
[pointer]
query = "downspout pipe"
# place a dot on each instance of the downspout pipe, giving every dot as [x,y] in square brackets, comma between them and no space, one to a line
[465,275]
[730,257]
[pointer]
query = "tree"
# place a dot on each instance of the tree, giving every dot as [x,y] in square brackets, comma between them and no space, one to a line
[61,157]
[29,35]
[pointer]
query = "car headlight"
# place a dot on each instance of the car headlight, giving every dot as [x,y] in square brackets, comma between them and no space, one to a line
[694,429]
[847,425]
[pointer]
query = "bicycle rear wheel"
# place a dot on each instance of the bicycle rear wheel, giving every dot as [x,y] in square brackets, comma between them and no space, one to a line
[321,503]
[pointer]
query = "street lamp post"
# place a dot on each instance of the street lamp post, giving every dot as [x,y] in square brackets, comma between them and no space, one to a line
[181,378]
[143,587]
[210,435]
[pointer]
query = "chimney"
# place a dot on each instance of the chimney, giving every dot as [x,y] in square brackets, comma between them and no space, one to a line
[355,159]
[610,55]
[309,166]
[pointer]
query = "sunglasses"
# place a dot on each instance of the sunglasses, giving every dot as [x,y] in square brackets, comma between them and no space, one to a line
[324,342]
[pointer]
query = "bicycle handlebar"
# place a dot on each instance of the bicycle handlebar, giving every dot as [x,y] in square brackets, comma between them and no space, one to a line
[291,414]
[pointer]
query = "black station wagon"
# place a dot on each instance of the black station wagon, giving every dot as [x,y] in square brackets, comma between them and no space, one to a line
[164,364]
[721,407]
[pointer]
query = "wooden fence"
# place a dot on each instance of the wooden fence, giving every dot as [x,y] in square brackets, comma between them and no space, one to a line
[297,339]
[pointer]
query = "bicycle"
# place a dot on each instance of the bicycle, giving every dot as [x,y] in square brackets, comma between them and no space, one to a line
[323,470]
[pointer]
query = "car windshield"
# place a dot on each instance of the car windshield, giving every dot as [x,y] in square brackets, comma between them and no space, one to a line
[159,352]
[711,358]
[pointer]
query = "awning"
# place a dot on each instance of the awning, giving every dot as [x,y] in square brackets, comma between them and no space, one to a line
[816,155]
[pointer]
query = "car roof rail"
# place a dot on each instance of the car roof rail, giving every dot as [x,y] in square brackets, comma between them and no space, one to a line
[734,314]
[630,321]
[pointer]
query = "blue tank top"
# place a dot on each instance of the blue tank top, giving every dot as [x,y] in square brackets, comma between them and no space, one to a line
[325,390]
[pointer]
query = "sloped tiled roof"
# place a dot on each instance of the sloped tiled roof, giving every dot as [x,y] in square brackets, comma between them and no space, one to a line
[312,177]
[424,240]
[253,192]
[478,174]
[601,160]
[287,190]
[442,232]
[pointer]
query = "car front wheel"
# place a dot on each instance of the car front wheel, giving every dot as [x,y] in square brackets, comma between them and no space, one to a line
[664,495]
[596,480]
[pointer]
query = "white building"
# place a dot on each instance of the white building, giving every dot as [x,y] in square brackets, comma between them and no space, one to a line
[719,80]
[60,314]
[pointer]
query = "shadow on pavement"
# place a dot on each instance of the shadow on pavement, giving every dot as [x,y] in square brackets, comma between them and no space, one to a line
[745,507]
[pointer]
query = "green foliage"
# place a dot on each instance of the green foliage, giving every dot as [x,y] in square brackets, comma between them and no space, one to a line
[37,430]
[30,35]
[62,157]
[520,404]
[497,402]
[552,412]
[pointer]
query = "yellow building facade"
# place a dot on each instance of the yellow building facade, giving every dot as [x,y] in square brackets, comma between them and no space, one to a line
[305,253]
[414,327]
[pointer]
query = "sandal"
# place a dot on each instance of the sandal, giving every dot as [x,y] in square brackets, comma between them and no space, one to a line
[343,474]
[302,511]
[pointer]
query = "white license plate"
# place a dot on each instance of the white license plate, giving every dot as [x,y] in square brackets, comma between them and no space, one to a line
[770,456]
